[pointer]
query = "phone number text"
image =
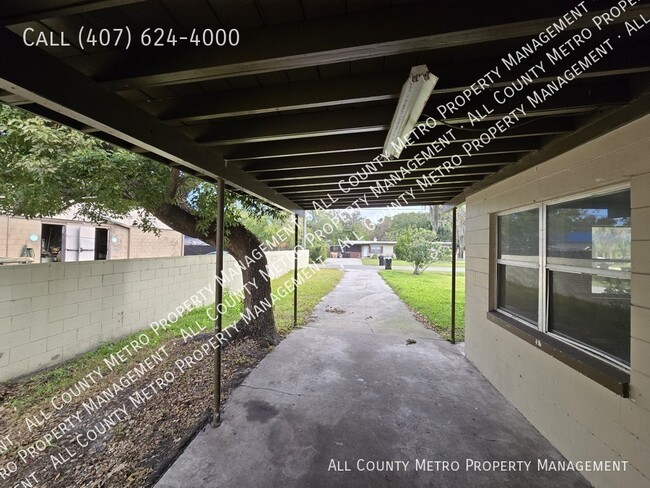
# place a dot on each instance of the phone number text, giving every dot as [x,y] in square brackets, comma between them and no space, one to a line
[89,37]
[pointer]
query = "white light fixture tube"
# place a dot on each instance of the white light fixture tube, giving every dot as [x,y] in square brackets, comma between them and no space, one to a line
[412,100]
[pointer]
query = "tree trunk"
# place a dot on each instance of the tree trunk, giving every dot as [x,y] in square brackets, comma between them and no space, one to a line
[434,217]
[460,227]
[257,299]
[240,243]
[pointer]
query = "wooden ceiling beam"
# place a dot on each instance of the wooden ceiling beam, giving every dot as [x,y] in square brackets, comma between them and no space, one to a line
[348,143]
[279,98]
[599,126]
[360,88]
[316,124]
[357,158]
[352,166]
[66,91]
[327,181]
[397,200]
[364,35]
[18,12]
[345,173]
[323,192]
[355,196]
[573,99]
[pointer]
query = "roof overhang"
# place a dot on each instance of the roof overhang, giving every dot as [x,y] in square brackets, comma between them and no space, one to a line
[298,110]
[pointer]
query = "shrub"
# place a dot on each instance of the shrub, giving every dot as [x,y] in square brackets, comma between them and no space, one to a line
[440,252]
[318,252]
[417,247]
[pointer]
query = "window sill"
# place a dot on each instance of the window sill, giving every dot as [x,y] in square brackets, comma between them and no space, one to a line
[602,373]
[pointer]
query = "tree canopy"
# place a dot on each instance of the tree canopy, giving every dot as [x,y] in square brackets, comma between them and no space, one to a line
[350,225]
[417,246]
[46,168]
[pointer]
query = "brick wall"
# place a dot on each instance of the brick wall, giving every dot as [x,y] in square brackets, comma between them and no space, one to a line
[52,312]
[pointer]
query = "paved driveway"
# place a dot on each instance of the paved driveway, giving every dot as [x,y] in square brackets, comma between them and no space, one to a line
[341,398]
[353,263]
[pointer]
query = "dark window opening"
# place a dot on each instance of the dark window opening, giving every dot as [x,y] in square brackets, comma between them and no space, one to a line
[585,267]
[592,310]
[101,244]
[519,291]
[51,242]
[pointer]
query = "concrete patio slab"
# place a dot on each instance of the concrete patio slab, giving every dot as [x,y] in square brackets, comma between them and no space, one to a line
[340,398]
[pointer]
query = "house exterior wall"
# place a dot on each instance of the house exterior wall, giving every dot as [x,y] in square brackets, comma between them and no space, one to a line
[148,245]
[386,250]
[119,249]
[132,242]
[15,234]
[51,312]
[4,222]
[583,419]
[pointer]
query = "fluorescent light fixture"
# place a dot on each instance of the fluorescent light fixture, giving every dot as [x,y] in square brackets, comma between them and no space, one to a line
[415,93]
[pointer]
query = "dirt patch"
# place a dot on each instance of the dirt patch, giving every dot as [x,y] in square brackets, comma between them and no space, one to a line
[130,447]
[335,310]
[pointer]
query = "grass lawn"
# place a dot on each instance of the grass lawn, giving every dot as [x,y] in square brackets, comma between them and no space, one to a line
[45,384]
[399,262]
[430,295]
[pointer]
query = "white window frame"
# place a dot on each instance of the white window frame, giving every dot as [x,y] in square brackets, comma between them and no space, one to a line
[522,264]
[544,268]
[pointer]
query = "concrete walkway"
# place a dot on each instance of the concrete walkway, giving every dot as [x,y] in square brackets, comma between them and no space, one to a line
[343,395]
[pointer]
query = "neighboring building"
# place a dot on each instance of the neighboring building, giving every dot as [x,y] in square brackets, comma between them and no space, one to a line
[557,312]
[196,247]
[66,238]
[363,249]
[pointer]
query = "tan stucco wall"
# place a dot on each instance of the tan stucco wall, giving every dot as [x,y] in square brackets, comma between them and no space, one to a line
[584,420]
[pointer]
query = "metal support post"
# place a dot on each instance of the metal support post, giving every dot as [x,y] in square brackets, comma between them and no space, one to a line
[218,299]
[453,276]
[295,272]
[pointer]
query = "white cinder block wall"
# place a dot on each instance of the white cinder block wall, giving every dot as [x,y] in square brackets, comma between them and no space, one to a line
[52,312]
[583,419]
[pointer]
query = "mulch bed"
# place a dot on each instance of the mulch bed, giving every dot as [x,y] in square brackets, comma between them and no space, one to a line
[136,451]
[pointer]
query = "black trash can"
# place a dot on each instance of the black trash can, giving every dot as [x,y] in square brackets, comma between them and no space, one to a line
[381,260]
[388,263]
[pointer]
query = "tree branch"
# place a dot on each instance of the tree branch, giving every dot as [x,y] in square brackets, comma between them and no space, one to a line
[174,183]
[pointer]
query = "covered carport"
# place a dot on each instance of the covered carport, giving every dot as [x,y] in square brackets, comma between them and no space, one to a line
[306,97]
[297,111]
